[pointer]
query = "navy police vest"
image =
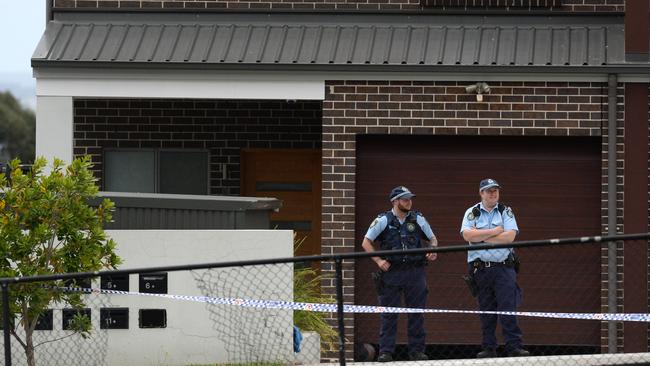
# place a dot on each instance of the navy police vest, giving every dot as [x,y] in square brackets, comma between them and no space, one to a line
[408,235]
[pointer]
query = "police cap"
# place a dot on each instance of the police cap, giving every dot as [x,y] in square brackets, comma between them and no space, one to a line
[400,192]
[488,183]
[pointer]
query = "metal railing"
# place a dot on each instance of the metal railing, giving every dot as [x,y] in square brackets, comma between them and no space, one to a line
[337,259]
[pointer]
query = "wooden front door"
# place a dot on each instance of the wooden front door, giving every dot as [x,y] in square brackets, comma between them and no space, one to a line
[293,176]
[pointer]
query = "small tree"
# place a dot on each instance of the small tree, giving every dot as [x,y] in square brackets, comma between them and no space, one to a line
[47,227]
[306,288]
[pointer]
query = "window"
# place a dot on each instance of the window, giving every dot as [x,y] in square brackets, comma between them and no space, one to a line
[156,171]
[130,171]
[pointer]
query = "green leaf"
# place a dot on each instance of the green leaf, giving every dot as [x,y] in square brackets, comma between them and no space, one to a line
[47,227]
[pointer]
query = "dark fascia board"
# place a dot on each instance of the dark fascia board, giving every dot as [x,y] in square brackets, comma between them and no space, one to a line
[310,17]
[422,11]
[189,202]
[627,68]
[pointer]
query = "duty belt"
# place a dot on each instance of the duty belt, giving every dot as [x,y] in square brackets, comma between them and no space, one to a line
[479,264]
[398,266]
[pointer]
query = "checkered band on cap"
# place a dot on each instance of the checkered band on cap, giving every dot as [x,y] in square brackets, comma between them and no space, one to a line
[488,183]
[400,192]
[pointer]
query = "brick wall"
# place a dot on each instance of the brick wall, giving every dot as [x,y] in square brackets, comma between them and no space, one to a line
[370,5]
[223,127]
[351,108]
[443,108]
[594,5]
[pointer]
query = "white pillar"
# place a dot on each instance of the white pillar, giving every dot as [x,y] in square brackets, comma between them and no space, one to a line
[54,128]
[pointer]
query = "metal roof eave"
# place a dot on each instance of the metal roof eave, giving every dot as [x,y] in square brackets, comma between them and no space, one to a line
[627,68]
[337,43]
[184,201]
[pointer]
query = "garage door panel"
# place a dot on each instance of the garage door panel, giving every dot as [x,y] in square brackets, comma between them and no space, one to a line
[554,187]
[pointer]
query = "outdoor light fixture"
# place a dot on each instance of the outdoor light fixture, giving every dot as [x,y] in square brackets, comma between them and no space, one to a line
[478,88]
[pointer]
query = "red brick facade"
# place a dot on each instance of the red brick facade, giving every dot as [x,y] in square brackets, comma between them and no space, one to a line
[346,5]
[443,108]
[351,108]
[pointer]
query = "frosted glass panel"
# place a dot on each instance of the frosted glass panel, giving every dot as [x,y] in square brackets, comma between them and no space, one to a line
[129,171]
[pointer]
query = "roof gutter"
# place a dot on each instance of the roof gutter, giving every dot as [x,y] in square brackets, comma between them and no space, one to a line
[49,16]
[459,11]
[627,68]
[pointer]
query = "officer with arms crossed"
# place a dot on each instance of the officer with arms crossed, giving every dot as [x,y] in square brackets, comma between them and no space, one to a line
[398,229]
[494,269]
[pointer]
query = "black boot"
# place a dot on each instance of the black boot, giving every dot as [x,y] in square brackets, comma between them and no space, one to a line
[487,352]
[518,352]
[385,357]
[418,356]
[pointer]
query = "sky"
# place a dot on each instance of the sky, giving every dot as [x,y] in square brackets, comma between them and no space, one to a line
[22,23]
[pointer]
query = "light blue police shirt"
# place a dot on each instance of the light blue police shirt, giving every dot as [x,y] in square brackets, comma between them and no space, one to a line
[380,223]
[489,220]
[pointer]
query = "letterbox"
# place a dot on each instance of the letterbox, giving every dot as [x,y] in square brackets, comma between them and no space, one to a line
[153,318]
[114,318]
[154,283]
[45,320]
[79,282]
[68,314]
[115,282]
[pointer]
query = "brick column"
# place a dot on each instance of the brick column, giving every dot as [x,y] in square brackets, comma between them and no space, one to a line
[635,265]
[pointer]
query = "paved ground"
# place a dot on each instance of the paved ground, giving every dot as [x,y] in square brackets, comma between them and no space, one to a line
[573,360]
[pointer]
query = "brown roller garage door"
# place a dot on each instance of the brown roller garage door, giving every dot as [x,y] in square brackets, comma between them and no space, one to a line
[554,187]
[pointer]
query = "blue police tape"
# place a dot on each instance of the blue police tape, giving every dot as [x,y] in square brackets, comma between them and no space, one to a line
[332,308]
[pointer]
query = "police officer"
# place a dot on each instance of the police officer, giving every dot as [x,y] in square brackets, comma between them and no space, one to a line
[397,229]
[493,269]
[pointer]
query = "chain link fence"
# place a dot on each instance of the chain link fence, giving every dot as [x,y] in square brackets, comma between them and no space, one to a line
[57,345]
[559,303]
[322,309]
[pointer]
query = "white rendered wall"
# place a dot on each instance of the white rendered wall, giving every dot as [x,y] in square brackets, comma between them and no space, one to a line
[190,337]
[54,127]
[144,85]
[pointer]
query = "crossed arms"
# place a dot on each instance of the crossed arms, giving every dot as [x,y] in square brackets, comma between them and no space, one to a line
[493,236]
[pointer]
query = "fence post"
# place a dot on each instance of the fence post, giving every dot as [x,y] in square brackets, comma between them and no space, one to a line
[5,322]
[612,276]
[612,300]
[339,309]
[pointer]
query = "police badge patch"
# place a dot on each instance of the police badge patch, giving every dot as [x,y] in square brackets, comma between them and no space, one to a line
[470,216]
[410,227]
[374,222]
[509,212]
